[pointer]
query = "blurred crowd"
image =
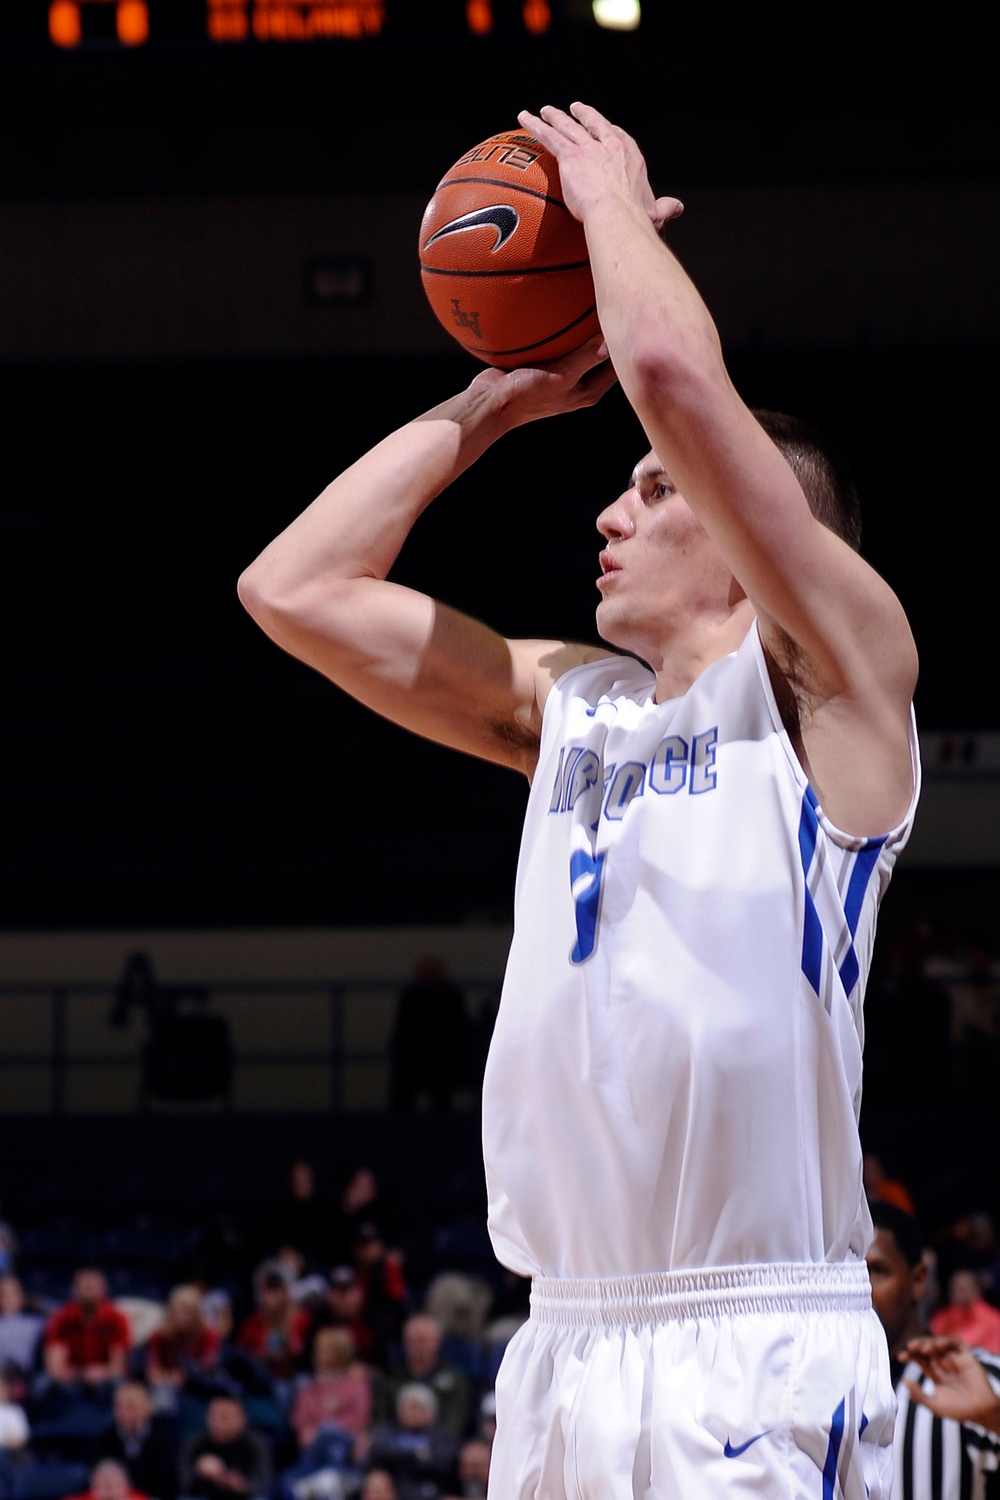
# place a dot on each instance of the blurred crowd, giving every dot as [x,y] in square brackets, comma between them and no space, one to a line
[324,1372]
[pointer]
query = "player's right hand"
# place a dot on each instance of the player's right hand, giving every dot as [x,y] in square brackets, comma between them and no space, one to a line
[577,380]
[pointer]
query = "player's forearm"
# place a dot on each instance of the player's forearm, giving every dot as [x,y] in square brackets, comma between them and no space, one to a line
[660,334]
[358,524]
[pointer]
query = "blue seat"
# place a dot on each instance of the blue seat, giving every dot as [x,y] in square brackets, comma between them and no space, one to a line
[465,1355]
[71,1433]
[38,1481]
[464,1246]
[137,1244]
[492,1355]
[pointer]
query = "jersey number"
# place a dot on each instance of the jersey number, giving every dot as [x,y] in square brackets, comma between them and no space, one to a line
[585,872]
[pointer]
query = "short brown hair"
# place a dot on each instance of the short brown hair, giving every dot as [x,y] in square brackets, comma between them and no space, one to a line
[821,469]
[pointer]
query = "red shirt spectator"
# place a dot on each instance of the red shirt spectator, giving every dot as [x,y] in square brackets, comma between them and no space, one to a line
[967,1315]
[276,1331]
[340,1394]
[183,1339]
[88,1338]
[110,1481]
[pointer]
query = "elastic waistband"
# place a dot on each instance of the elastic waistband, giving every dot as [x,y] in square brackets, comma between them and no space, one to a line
[723,1292]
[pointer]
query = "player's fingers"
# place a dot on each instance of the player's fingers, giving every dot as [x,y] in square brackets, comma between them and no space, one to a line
[597,382]
[666,209]
[551,130]
[560,120]
[574,366]
[594,122]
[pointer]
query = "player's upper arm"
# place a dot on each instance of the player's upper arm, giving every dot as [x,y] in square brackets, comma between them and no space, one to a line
[420,663]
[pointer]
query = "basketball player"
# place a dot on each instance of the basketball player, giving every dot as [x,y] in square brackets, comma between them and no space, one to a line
[671,1098]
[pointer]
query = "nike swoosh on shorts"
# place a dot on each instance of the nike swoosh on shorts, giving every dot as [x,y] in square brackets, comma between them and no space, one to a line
[730,1452]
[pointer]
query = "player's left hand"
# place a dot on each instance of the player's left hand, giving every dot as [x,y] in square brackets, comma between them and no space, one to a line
[961,1388]
[596,158]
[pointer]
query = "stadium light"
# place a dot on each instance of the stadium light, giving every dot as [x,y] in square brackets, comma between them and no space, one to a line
[617,15]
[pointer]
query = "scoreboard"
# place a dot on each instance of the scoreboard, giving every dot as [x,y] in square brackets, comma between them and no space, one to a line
[71,24]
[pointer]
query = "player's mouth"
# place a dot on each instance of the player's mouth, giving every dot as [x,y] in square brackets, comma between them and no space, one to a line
[609,567]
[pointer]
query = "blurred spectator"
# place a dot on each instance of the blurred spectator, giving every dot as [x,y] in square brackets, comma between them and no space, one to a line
[417,1450]
[422,1364]
[109,1481]
[486,1421]
[227,1459]
[14,1431]
[510,1306]
[460,1304]
[975,1025]
[361,1202]
[308,1288]
[966,1315]
[344,1308]
[8,1246]
[429,1049]
[379,1485]
[380,1272]
[882,1188]
[141,1441]
[473,1470]
[217,1313]
[182,1343]
[87,1339]
[20,1330]
[971,1244]
[275,1333]
[303,1219]
[339,1393]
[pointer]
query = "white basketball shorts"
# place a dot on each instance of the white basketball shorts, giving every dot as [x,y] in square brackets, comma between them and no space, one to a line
[763,1380]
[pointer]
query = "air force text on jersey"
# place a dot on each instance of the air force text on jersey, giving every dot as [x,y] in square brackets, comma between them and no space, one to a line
[675,764]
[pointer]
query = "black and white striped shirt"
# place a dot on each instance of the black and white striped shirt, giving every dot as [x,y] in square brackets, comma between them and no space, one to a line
[937,1459]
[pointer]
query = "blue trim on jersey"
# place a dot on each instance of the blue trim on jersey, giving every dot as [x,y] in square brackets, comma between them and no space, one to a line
[864,864]
[812,928]
[587,902]
[833,1453]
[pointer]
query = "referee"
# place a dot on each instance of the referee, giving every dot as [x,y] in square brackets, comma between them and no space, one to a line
[934,1458]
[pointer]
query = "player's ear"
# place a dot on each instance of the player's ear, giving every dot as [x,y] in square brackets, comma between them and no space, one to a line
[918,1279]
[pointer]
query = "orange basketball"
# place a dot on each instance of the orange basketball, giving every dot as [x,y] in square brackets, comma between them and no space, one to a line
[503,261]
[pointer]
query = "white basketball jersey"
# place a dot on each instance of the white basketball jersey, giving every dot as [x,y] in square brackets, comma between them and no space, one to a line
[675,1076]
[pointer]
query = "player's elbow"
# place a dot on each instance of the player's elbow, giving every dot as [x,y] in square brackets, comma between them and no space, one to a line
[266,596]
[251,588]
[667,368]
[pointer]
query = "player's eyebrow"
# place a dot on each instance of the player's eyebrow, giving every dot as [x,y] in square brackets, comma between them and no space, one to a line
[643,472]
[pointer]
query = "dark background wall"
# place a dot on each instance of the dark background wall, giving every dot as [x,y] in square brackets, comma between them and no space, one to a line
[168,400]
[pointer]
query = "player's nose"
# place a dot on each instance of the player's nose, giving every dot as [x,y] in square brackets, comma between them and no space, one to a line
[616,521]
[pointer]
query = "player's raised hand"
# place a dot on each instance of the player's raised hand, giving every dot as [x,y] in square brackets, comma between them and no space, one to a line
[577,380]
[962,1390]
[596,158]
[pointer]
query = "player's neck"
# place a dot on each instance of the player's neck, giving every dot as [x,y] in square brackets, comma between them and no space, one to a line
[686,653]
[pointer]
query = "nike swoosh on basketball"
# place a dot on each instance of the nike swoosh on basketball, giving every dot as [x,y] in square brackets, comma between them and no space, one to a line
[730,1452]
[503,218]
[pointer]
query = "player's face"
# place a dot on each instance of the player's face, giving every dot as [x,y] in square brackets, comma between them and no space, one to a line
[659,568]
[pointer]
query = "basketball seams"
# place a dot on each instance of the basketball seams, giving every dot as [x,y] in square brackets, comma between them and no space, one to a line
[570,265]
[506,184]
[539,343]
